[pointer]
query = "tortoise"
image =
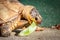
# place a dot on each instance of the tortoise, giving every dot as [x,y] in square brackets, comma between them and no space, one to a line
[14,14]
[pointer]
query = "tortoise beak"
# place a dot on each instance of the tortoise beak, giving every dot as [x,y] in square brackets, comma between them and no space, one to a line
[38,19]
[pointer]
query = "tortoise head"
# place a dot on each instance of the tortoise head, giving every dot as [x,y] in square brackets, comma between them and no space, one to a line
[35,14]
[31,14]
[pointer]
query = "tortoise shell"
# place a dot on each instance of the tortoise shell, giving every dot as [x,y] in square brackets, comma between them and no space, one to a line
[9,9]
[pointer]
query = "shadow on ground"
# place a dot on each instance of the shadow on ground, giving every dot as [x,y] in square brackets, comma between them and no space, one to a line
[47,34]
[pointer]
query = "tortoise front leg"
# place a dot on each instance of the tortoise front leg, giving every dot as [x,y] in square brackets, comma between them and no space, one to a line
[8,27]
[22,23]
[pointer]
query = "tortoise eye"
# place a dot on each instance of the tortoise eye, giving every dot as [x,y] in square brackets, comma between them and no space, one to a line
[1,24]
[36,18]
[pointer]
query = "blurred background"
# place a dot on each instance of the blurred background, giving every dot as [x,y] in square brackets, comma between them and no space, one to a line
[48,9]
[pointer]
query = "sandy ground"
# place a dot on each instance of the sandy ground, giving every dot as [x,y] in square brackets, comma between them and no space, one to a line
[47,34]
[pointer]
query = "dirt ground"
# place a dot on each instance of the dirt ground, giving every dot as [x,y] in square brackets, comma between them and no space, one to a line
[47,34]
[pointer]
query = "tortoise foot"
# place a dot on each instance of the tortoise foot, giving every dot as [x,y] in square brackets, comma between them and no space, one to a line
[5,30]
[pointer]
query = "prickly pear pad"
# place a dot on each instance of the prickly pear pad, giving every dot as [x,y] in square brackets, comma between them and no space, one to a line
[28,30]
